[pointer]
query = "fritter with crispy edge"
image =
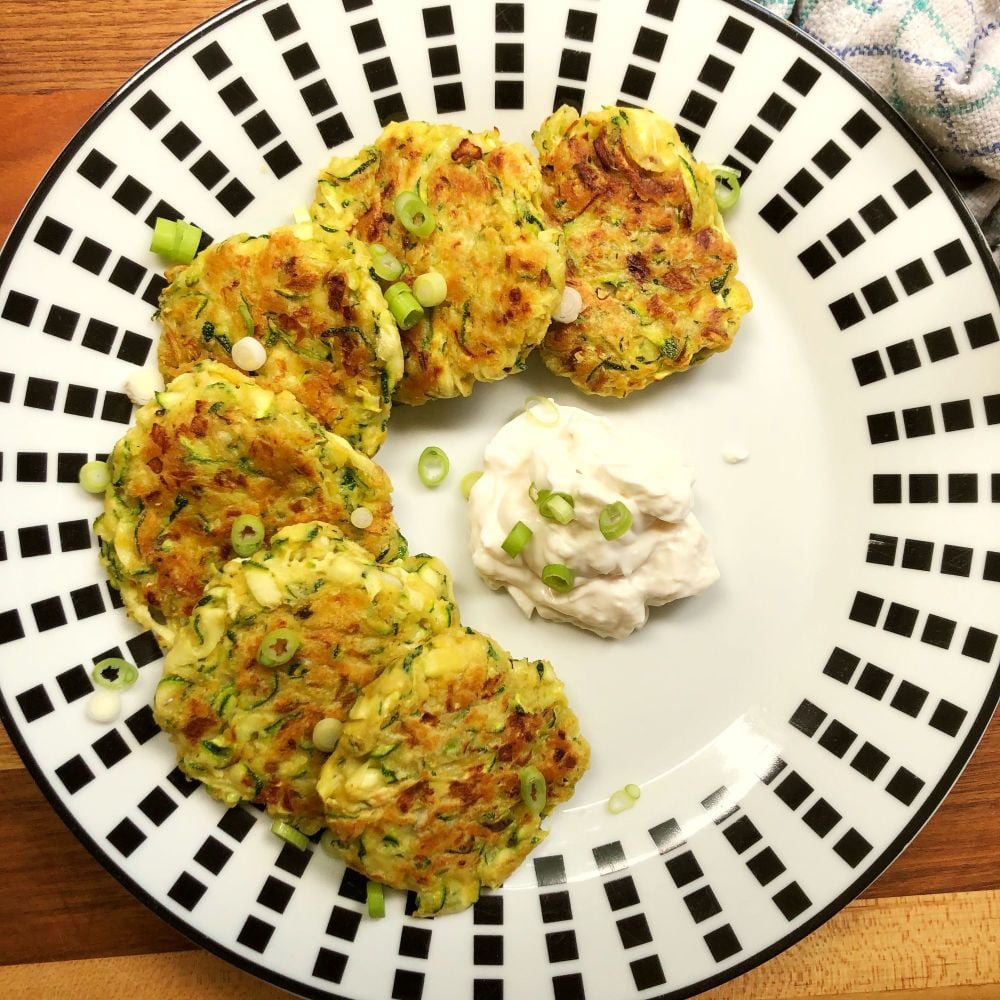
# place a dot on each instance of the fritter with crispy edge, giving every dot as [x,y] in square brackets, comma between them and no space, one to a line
[423,791]
[502,263]
[307,296]
[211,447]
[645,247]
[245,729]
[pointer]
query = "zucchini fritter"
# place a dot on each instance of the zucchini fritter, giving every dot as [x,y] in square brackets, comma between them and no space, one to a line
[245,729]
[307,296]
[645,246]
[212,446]
[423,791]
[501,261]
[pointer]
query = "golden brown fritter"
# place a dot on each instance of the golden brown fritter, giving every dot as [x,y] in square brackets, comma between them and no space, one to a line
[307,296]
[213,446]
[423,791]
[645,247]
[502,264]
[245,728]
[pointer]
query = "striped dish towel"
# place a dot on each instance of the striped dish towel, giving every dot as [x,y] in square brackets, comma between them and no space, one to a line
[937,62]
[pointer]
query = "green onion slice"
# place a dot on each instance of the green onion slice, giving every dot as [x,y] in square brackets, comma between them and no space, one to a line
[633,791]
[278,647]
[533,792]
[516,539]
[95,477]
[328,845]
[468,481]
[114,673]
[432,466]
[290,834]
[403,305]
[375,895]
[620,801]
[558,577]
[385,265]
[430,289]
[413,213]
[542,410]
[727,187]
[247,534]
[556,506]
[614,520]
[176,242]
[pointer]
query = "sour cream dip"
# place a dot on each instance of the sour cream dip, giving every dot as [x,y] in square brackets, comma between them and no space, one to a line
[664,555]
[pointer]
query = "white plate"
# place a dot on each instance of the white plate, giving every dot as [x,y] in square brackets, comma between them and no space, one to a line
[791,729]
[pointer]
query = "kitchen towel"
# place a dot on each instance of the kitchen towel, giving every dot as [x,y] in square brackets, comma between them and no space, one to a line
[937,62]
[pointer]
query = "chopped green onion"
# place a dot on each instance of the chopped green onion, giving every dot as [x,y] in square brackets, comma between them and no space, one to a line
[247,534]
[430,289]
[278,647]
[620,801]
[384,264]
[558,577]
[114,673]
[542,410]
[290,834]
[403,305]
[375,896]
[633,791]
[300,214]
[328,844]
[516,539]
[614,520]
[556,506]
[95,477]
[468,481]
[727,187]
[413,213]
[176,242]
[104,706]
[325,734]
[432,466]
[533,792]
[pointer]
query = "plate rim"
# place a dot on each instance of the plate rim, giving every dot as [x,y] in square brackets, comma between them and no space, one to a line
[873,871]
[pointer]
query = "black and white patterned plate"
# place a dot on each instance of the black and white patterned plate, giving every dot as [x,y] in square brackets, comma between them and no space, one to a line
[791,729]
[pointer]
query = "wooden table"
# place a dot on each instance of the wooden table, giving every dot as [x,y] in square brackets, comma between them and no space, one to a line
[929,928]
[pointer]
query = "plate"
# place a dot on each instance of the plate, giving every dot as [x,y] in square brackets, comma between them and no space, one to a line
[791,729]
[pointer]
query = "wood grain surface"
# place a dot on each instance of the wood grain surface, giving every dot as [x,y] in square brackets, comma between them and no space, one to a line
[928,929]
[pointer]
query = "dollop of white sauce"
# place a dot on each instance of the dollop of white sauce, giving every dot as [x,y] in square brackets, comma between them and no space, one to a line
[663,556]
[141,386]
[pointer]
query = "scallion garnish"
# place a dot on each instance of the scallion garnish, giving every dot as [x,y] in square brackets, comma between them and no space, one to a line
[247,534]
[516,539]
[413,213]
[533,791]
[633,791]
[403,305]
[114,673]
[432,466]
[558,577]
[620,801]
[556,506]
[468,481]
[290,834]
[430,289]
[614,520]
[375,896]
[385,265]
[542,410]
[95,477]
[727,187]
[278,647]
[176,242]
